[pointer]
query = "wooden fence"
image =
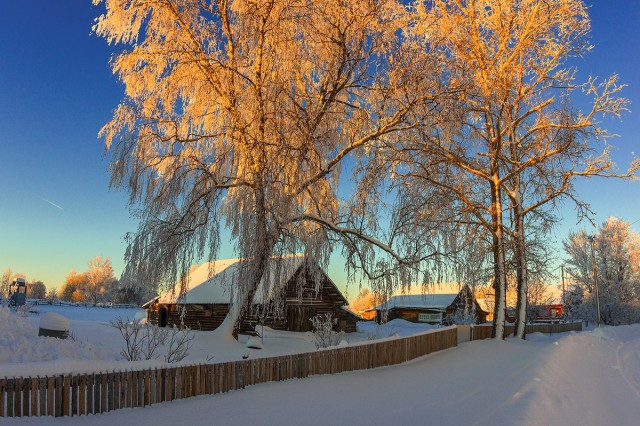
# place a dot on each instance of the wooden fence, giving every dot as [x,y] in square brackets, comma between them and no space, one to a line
[480,332]
[71,395]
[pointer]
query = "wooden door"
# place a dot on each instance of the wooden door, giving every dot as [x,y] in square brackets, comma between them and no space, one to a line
[299,318]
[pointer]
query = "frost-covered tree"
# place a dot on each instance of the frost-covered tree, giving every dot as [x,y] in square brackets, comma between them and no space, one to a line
[36,290]
[72,284]
[5,281]
[241,113]
[617,256]
[508,140]
[99,279]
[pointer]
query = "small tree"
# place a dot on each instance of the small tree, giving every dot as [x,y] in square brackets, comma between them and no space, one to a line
[365,300]
[323,333]
[52,295]
[99,278]
[36,290]
[74,281]
[5,282]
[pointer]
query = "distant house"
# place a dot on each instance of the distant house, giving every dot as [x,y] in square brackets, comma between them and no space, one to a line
[546,313]
[431,308]
[295,291]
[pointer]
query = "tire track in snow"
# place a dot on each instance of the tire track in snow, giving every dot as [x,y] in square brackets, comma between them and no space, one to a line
[620,368]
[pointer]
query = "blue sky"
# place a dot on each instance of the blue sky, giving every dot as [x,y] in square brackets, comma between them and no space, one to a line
[56,91]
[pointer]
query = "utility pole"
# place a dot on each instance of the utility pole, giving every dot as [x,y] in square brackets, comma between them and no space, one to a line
[595,278]
[564,297]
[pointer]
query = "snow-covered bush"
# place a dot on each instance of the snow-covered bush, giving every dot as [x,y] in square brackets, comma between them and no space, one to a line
[23,310]
[323,333]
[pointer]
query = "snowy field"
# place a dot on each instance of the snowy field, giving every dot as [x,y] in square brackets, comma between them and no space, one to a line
[587,378]
[96,345]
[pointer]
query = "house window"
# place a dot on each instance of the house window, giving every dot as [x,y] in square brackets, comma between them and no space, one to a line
[430,317]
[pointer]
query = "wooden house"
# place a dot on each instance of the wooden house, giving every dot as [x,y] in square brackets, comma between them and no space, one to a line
[430,308]
[295,291]
[546,313]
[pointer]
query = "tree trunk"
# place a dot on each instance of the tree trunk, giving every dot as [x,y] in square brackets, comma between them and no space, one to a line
[256,254]
[499,260]
[521,271]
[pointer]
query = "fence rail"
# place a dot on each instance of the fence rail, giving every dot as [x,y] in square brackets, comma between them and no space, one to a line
[80,394]
[480,332]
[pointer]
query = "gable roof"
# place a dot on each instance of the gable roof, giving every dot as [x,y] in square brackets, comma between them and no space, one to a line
[420,301]
[212,282]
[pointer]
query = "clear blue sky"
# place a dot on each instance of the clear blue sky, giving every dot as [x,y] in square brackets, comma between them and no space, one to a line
[57,90]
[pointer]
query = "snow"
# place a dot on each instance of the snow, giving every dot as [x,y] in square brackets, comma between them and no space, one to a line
[210,283]
[55,322]
[95,346]
[586,378]
[433,301]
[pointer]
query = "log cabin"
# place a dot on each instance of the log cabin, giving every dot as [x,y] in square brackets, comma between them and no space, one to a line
[296,291]
[431,308]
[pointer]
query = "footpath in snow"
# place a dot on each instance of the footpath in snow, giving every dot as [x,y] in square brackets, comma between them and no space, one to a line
[587,378]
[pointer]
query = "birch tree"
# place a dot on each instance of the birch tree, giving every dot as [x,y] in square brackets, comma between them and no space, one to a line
[510,137]
[241,114]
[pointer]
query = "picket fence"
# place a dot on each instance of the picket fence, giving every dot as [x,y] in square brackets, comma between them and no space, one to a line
[80,394]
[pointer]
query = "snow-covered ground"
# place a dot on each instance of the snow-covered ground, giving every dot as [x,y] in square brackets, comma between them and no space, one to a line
[96,345]
[587,378]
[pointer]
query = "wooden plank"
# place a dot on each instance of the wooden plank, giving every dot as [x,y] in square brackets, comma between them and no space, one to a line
[33,387]
[195,369]
[11,383]
[117,389]
[141,389]
[66,394]
[157,396]
[58,396]
[3,396]
[179,383]
[103,392]
[135,402]
[170,383]
[96,393]
[50,396]
[129,389]
[111,395]
[74,395]
[147,388]
[17,397]
[82,394]
[122,399]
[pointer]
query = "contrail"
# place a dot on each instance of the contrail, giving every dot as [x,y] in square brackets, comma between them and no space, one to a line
[53,204]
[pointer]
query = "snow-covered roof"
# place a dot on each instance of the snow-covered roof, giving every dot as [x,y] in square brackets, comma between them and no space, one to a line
[211,282]
[424,301]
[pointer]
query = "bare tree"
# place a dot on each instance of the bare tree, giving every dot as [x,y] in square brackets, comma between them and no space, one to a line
[245,111]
